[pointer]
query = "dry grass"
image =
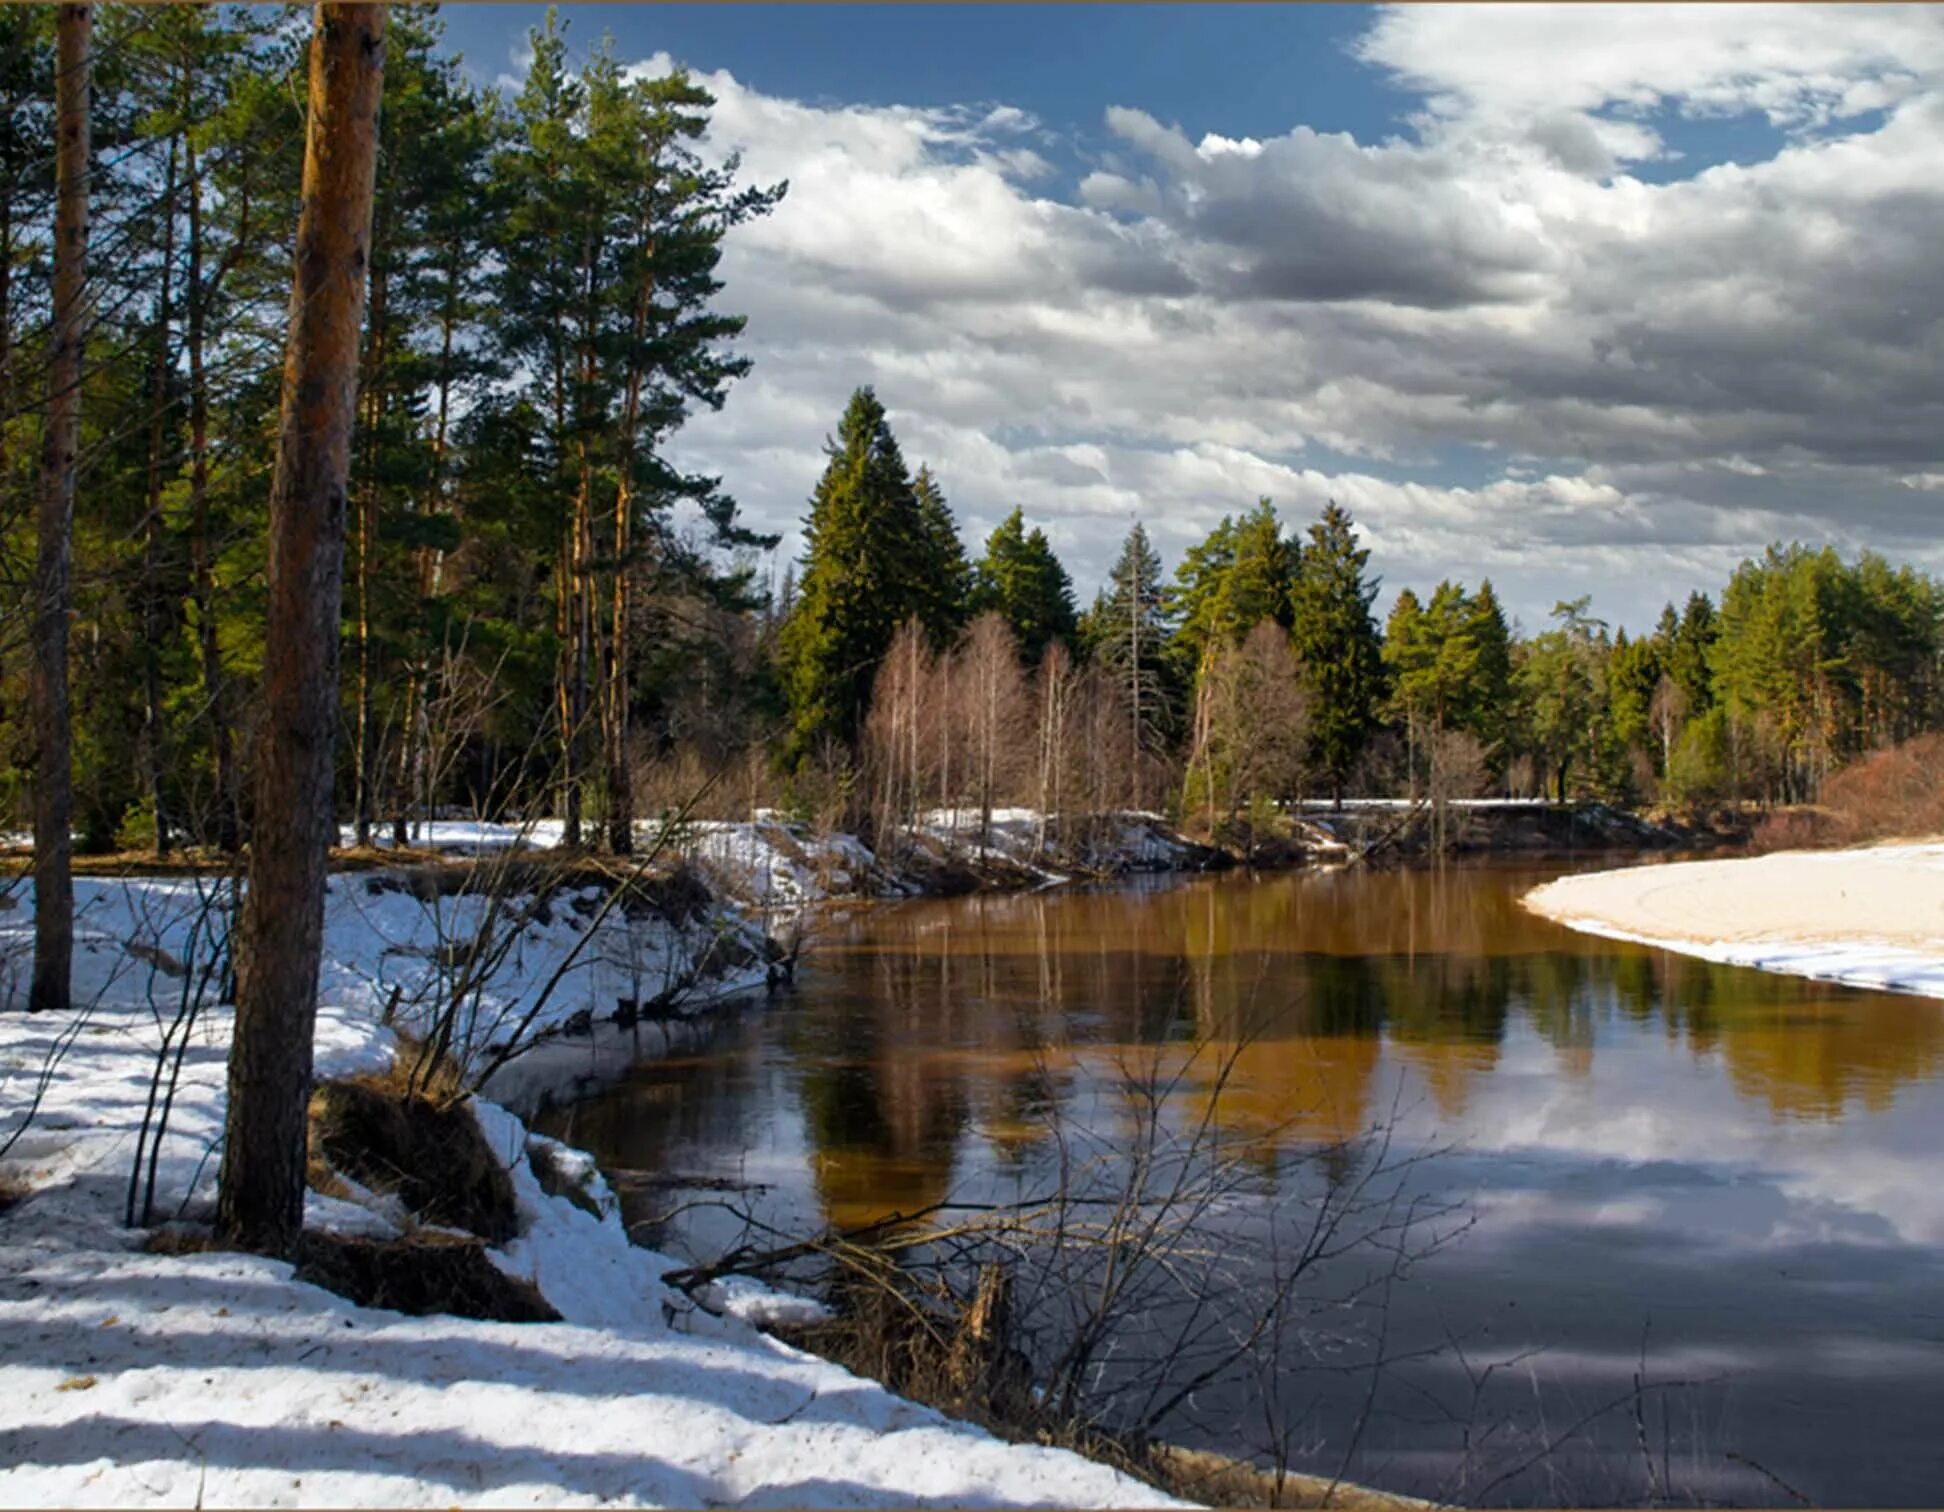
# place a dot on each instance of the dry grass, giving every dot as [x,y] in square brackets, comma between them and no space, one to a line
[1217,1481]
[955,1356]
[13,1190]
[428,1150]
[419,1274]
[183,1239]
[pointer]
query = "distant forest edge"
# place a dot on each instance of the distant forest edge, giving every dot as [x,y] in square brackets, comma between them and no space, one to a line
[544,614]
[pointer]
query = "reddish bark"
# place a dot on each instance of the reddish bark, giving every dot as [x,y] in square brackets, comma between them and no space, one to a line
[260,1204]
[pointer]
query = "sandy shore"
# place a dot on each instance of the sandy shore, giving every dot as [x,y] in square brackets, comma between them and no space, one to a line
[1873,916]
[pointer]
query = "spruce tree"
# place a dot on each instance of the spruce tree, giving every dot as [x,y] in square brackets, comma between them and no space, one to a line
[1489,717]
[869,552]
[1195,599]
[1023,580]
[944,577]
[1337,640]
[1130,636]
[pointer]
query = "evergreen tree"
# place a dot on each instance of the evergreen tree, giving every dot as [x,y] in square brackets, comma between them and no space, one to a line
[1634,671]
[1023,580]
[1558,675]
[1195,600]
[1337,640]
[869,551]
[1489,718]
[1691,649]
[945,580]
[615,227]
[1231,581]
[1128,633]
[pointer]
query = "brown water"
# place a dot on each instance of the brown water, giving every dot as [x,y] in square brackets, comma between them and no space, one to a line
[1729,1181]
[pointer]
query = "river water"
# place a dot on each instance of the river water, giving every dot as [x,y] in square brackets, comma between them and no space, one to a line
[1722,1186]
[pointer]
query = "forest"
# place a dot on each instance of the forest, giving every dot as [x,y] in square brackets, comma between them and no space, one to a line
[543,613]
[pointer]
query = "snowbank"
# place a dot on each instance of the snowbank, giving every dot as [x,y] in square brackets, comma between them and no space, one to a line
[132,1377]
[1870,917]
[775,865]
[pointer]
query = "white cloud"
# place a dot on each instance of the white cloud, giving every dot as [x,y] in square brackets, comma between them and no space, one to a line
[1505,353]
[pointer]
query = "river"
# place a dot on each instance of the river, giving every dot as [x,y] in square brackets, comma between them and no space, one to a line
[1716,1183]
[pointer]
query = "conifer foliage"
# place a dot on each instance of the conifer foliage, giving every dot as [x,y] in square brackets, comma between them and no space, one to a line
[1338,643]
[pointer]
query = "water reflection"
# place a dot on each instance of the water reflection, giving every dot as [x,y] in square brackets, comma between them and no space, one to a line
[1741,1163]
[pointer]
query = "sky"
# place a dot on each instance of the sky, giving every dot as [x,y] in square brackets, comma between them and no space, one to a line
[1584,298]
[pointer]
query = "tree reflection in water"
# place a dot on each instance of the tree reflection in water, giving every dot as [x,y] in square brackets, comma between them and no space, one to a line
[1652,1140]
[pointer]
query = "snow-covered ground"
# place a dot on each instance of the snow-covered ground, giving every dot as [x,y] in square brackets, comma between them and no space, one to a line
[1870,917]
[131,1377]
[775,865]
[768,862]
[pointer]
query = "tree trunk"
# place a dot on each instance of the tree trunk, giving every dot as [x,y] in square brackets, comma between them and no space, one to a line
[364,780]
[201,549]
[620,780]
[260,1204]
[414,735]
[155,737]
[53,771]
[6,326]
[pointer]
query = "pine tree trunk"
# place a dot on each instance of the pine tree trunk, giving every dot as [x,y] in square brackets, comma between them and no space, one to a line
[364,777]
[415,736]
[201,548]
[260,1203]
[155,737]
[620,779]
[6,326]
[53,772]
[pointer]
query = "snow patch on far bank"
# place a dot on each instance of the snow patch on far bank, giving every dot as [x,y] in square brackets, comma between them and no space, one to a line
[1865,917]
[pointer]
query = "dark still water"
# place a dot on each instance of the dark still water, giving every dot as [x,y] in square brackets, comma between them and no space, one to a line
[1726,1185]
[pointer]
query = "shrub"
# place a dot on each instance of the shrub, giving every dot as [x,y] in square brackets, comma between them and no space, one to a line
[1889,794]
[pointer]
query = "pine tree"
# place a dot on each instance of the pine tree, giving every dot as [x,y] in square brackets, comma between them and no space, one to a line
[670,348]
[1337,640]
[54,530]
[1489,718]
[260,1200]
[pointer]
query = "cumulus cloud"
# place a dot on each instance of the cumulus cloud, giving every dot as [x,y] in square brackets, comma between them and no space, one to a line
[1505,351]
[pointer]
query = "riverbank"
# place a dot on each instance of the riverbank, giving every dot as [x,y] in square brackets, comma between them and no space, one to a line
[1400,828]
[141,1368]
[1870,917]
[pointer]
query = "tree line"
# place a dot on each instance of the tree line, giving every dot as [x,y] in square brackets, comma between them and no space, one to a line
[1258,672]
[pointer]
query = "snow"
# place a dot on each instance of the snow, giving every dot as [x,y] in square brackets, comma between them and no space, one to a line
[778,866]
[769,862]
[1866,917]
[747,1298]
[1131,840]
[219,1379]
[1381,805]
